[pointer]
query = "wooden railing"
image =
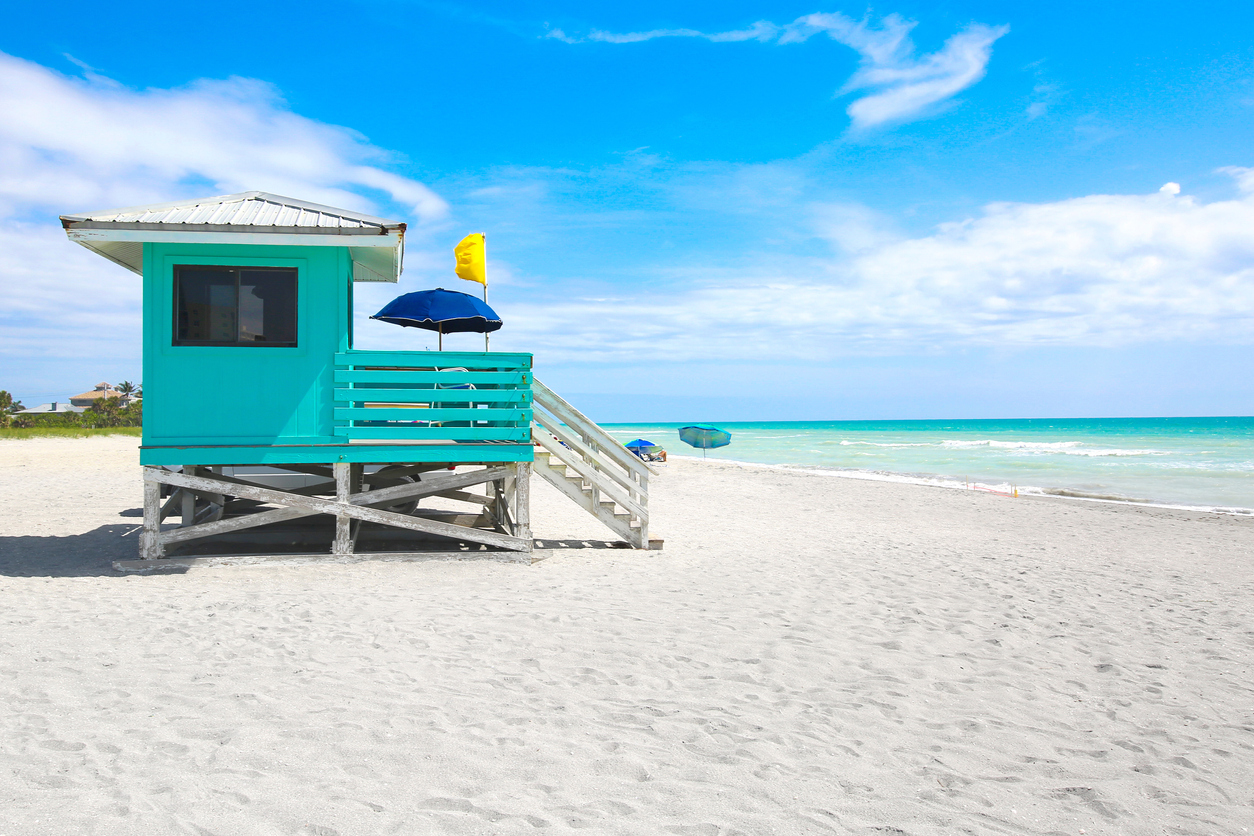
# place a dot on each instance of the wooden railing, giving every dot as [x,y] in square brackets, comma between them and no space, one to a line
[433,396]
[591,467]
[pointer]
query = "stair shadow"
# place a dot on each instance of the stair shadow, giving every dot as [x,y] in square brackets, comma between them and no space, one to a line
[578,543]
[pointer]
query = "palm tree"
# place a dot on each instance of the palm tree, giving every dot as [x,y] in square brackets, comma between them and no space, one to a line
[8,406]
[126,388]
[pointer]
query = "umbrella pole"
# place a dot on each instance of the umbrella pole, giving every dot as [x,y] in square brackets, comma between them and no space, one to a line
[440,327]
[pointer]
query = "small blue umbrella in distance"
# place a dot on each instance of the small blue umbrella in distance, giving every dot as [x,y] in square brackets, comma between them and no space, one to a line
[707,438]
[440,310]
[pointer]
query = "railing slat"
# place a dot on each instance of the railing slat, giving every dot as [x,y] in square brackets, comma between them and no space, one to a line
[429,359]
[597,479]
[360,413]
[392,375]
[374,388]
[567,414]
[513,396]
[574,442]
[514,434]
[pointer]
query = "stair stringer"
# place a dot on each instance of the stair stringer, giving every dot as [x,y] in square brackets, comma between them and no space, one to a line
[556,476]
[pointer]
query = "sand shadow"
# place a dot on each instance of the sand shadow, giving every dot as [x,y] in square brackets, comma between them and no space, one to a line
[74,556]
[92,554]
[576,543]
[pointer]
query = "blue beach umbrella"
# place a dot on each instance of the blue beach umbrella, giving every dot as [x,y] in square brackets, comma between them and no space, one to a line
[707,438]
[641,447]
[440,310]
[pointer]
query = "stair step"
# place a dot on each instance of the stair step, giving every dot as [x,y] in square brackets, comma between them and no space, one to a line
[575,480]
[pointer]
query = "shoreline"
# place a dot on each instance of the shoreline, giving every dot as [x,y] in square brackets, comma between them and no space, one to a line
[952,483]
[884,476]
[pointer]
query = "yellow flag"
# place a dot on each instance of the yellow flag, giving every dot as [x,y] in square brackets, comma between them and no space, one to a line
[471,259]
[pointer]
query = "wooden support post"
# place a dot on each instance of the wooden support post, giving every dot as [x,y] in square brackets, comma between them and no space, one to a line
[343,524]
[643,497]
[501,505]
[216,500]
[522,501]
[150,535]
[356,473]
[189,499]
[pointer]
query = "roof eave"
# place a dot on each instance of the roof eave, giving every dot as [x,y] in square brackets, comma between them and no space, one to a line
[70,223]
[234,198]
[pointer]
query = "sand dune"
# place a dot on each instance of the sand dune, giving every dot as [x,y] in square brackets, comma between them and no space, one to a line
[808,655]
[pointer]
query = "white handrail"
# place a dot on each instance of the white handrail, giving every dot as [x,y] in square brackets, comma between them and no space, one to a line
[571,417]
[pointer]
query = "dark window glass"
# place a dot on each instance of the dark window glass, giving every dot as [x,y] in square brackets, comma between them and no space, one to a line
[234,306]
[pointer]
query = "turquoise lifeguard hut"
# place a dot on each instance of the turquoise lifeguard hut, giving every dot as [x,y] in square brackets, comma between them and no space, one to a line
[258,411]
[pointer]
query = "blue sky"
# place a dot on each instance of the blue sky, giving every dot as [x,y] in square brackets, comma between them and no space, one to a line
[694,212]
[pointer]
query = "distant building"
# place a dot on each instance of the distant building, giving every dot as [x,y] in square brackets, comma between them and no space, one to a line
[102,390]
[49,408]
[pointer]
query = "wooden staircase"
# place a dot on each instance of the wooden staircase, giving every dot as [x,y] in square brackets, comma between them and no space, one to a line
[594,470]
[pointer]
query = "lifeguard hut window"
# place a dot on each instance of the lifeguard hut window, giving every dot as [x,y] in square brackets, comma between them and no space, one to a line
[235,306]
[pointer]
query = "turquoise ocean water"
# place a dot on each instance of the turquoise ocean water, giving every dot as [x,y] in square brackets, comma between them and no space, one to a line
[1203,463]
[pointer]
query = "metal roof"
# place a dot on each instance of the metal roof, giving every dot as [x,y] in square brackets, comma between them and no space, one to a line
[245,218]
[244,212]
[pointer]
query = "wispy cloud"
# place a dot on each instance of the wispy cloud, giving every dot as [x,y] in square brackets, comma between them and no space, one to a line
[1099,270]
[902,86]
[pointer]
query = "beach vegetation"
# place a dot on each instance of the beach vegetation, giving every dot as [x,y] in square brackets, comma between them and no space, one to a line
[67,432]
[109,412]
[103,414]
[8,406]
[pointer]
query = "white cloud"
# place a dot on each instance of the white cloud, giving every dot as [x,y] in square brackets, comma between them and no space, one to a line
[1244,177]
[908,87]
[903,86]
[46,279]
[1097,270]
[761,31]
[71,144]
[79,144]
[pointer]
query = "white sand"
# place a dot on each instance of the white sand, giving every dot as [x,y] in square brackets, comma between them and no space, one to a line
[808,655]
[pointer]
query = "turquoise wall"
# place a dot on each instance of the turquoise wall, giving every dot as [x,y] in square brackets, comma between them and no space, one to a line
[213,395]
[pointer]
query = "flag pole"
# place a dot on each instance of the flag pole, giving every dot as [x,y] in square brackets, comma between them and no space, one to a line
[485,284]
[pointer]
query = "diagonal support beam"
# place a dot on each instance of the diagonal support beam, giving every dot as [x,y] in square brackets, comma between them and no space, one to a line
[353,510]
[209,529]
[429,486]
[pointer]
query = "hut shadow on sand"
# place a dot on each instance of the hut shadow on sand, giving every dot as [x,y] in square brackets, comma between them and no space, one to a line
[86,555]
[93,553]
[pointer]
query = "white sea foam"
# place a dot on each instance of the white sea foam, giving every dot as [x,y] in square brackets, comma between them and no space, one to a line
[1115,452]
[1181,467]
[1066,448]
[847,443]
[1001,488]
[1013,445]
